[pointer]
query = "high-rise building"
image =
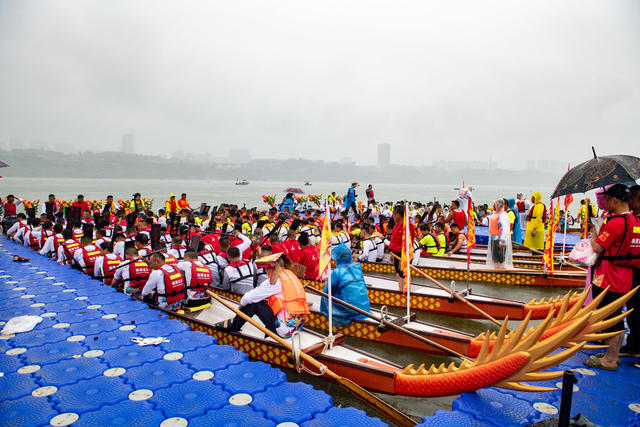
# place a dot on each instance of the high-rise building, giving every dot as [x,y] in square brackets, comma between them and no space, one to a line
[128,143]
[384,155]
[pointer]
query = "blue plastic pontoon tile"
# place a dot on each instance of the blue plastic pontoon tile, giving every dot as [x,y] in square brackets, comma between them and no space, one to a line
[131,355]
[13,386]
[600,410]
[140,317]
[40,337]
[156,375]
[127,413]
[190,398]
[499,408]
[337,417]
[69,305]
[55,297]
[27,411]
[78,316]
[25,310]
[249,377]
[108,341]
[95,326]
[232,416]
[452,419]
[90,395]
[214,357]
[53,352]
[163,328]
[296,402]
[125,306]
[70,371]
[187,340]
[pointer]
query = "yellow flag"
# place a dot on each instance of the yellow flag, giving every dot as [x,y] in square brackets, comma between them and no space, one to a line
[325,244]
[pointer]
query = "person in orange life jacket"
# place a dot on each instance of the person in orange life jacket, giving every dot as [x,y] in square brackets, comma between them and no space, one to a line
[132,277]
[459,241]
[105,263]
[52,240]
[165,286]
[67,248]
[632,347]
[142,245]
[183,203]
[31,236]
[292,247]
[9,207]
[457,215]
[197,277]
[279,302]
[119,244]
[615,235]
[87,255]
[309,256]
[239,276]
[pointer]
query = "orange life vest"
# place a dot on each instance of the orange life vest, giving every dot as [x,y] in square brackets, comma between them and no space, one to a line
[295,299]
[494,225]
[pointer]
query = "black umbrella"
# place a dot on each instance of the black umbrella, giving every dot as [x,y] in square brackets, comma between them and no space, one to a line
[598,172]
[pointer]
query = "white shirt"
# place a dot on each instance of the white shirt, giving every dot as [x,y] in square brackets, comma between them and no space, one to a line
[239,279]
[162,221]
[62,254]
[14,228]
[369,251]
[263,292]
[118,249]
[35,232]
[20,233]
[49,245]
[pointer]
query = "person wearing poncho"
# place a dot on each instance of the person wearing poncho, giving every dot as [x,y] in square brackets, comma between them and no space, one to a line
[536,218]
[347,284]
[517,230]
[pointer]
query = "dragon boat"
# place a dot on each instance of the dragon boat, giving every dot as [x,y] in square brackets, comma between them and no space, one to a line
[505,359]
[443,268]
[536,264]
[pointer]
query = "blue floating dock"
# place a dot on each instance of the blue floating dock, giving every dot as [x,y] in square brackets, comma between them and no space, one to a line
[80,360]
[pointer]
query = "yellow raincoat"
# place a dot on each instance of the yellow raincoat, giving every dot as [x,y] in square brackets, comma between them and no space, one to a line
[535,222]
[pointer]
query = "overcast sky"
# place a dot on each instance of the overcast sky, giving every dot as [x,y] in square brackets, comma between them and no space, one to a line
[326,79]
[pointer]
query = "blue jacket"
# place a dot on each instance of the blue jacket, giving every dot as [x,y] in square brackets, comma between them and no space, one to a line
[287,203]
[347,284]
[350,197]
[517,231]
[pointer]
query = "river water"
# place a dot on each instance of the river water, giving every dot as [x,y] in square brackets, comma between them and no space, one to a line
[216,192]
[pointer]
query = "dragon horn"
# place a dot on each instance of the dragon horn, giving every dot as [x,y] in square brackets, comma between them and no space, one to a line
[484,350]
[563,307]
[556,358]
[495,353]
[605,311]
[515,336]
[536,333]
[593,305]
[578,305]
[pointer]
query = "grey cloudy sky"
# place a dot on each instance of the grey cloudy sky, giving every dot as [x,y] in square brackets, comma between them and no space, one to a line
[326,79]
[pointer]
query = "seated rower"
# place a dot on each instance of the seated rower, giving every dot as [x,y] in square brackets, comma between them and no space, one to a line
[240,276]
[368,245]
[132,277]
[429,242]
[309,256]
[279,302]
[142,244]
[197,277]
[104,268]
[118,241]
[32,234]
[347,284]
[87,255]
[165,286]
[67,248]
[177,249]
[459,241]
[52,242]
[441,233]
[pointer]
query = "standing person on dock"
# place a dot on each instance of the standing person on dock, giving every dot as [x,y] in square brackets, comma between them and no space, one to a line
[616,240]
[350,199]
[81,203]
[536,219]
[457,215]
[51,207]
[499,252]
[514,219]
[9,207]
[171,205]
[523,206]
[395,241]
[183,203]
[632,347]
[371,200]
[347,284]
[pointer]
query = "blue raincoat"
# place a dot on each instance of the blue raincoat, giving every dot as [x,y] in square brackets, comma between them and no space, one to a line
[347,284]
[288,203]
[349,198]
[517,230]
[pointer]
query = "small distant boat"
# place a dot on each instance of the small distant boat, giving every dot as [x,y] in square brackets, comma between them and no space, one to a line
[242,182]
[307,183]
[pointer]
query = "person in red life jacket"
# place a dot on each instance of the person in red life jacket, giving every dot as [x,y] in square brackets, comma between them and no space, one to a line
[142,245]
[459,240]
[17,222]
[292,247]
[87,217]
[132,277]
[309,256]
[171,205]
[168,258]
[101,236]
[32,233]
[104,268]
[183,203]
[77,230]
[165,286]
[9,208]
[67,248]
[45,232]
[239,276]
[197,277]
[279,302]
[616,240]
[242,242]
[87,255]
[457,215]
[632,347]
[53,241]
[82,204]
[276,246]
[395,241]
[119,244]
[18,230]
[177,249]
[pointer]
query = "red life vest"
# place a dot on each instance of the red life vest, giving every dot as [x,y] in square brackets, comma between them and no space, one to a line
[139,272]
[34,242]
[77,234]
[201,276]
[544,213]
[628,254]
[108,265]
[43,237]
[173,285]
[70,249]
[10,209]
[459,218]
[89,258]
[168,259]
[521,206]
[57,241]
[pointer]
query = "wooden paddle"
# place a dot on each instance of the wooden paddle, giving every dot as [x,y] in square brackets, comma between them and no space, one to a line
[391,325]
[454,294]
[542,253]
[374,402]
